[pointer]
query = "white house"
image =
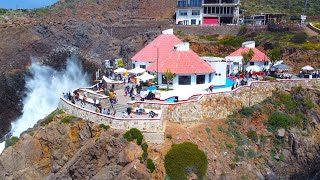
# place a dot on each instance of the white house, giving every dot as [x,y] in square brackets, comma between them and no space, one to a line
[189,12]
[258,63]
[190,70]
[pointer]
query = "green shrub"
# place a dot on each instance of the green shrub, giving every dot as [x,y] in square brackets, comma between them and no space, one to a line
[251,154]
[106,127]
[247,111]
[253,136]
[236,159]
[279,120]
[229,146]
[232,41]
[133,134]
[180,33]
[282,157]
[208,130]
[220,128]
[288,101]
[184,159]
[150,165]
[144,147]
[263,139]
[309,104]
[169,136]
[68,119]
[11,141]
[208,38]
[269,78]
[244,177]
[53,114]
[239,152]
[145,155]
[299,38]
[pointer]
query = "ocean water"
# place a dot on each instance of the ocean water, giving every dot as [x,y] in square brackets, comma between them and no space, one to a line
[25,4]
[44,88]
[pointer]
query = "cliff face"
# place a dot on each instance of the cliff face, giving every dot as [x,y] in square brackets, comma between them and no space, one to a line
[78,150]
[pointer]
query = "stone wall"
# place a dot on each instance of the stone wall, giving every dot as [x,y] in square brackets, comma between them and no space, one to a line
[220,105]
[154,127]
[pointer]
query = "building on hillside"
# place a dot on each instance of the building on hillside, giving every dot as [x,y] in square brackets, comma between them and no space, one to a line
[188,67]
[167,52]
[258,63]
[207,12]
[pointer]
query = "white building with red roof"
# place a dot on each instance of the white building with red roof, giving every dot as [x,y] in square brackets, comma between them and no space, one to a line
[167,52]
[159,48]
[259,61]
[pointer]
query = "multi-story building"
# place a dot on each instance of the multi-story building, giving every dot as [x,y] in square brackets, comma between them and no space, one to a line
[207,12]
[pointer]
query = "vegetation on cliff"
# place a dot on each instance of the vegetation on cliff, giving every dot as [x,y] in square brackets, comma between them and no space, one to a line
[184,159]
[294,7]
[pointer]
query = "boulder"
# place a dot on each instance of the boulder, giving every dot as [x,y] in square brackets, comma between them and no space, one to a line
[129,154]
[134,170]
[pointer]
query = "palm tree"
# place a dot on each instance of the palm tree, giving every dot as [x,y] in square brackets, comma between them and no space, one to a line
[247,56]
[169,77]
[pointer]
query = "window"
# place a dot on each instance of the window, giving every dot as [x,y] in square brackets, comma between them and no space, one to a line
[266,63]
[183,13]
[201,79]
[143,66]
[164,79]
[251,63]
[193,21]
[195,12]
[184,80]
[182,3]
[210,77]
[133,65]
[195,3]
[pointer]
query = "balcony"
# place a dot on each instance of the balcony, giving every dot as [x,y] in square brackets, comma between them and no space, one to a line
[189,3]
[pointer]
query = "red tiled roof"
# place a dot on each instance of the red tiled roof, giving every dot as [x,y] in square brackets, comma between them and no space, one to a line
[258,55]
[165,44]
[182,62]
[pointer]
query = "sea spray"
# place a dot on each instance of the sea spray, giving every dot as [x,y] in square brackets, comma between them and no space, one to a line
[44,87]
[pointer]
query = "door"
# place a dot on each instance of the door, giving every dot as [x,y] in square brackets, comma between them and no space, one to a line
[210,21]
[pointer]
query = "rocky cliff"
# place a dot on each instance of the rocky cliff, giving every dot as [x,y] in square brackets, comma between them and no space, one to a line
[74,149]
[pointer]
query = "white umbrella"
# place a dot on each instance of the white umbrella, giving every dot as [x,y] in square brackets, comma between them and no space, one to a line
[253,68]
[145,76]
[137,70]
[120,70]
[307,68]
[107,80]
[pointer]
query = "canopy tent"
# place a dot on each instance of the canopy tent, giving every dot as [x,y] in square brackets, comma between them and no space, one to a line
[107,80]
[307,68]
[145,76]
[253,68]
[137,70]
[120,70]
[281,66]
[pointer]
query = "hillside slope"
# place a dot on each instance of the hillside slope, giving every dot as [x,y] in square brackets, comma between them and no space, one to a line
[293,7]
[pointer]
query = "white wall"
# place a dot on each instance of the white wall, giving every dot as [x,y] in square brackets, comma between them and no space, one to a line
[260,64]
[138,63]
[220,77]
[189,17]
[235,59]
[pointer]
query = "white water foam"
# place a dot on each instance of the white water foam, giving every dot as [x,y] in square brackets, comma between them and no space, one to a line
[44,88]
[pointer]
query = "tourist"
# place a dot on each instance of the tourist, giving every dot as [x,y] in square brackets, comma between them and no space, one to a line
[124,114]
[152,114]
[114,113]
[104,111]
[108,111]
[211,88]
[94,102]
[97,110]
[72,101]
[112,103]
[232,74]
[131,92]
[141,109]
